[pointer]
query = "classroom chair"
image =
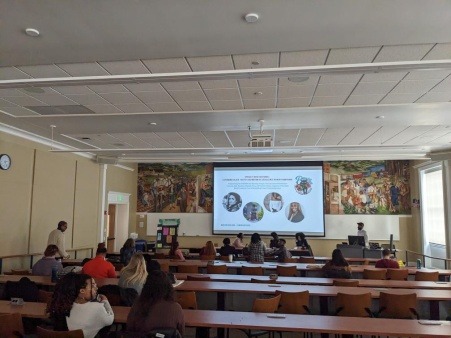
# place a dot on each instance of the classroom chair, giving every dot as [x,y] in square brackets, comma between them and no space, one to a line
[307,260]
[293,302]
[217,269]
[187,299]
[198,278]
[252,270]
[11,325]
[397,274]
[374,274]
[350,305]
[164,267]
[207,257]
[287,271]
[426,276]
[188,268]
[291,260]
[44,296]
[346,282]
[44,333]
[398,306]
[263,281]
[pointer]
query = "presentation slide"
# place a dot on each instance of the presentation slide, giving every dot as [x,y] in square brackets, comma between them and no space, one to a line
[284,198]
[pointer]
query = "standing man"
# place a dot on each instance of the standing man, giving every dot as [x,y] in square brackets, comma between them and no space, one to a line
[56,237]
[361,232]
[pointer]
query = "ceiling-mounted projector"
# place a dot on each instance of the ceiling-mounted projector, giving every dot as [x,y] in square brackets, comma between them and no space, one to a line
[260,140]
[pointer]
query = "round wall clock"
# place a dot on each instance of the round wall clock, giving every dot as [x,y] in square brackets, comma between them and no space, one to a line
[5,162]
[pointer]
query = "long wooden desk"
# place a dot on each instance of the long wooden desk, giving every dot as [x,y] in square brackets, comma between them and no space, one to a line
[323,292]
[292,323]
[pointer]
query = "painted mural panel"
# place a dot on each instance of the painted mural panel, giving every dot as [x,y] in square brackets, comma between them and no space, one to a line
[367,187]
[175,188]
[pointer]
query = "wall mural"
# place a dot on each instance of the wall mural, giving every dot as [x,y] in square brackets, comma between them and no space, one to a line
[175,187]
[367,187]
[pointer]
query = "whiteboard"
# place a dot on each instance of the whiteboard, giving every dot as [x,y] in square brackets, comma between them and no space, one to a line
[191,224]
[378,227]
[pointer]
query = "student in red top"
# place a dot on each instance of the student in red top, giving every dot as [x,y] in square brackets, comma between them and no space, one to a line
[98,267]
[386,262]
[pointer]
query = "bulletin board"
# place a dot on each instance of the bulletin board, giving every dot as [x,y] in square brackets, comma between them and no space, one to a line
[167,232]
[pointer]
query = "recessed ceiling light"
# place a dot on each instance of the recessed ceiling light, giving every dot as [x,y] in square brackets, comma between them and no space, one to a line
[258,93]
[251,17]
[35,90]
[380,117]
[255,63]
[298,79]
[123,154]
[32,32]
[152,123]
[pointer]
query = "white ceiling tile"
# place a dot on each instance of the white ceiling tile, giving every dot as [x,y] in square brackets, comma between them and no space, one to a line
[403,53]
[286,92]
[144,87]
[400,98]
[42,91]
[264,82]
[265,60]
[18,111]
[121,98]
[12,73]
[374,88]
[259,104]
[55,100]
[363,99]
[309,137]
[174,139]
[196,139]
[188,95]
[293,102]
[80,90]
[439,52]
[285,137]
[124,67]
[445,139]
[171,65]
[26,101]
[87,99]
[219,84]
[153,139]
[303,58]
[310,81]
[414,86]
[428,74]
[211,63]
[340,78]
[110,88]
[352,55]
[217,138]
[223,94]
[253,93]
[408,134]
[83,69]
[43,71]
[383,77]
[358,135]
[4,103]
[164,106]
[104,109]
[431,135]
[435,97]
[133,108]
[383,134]
[11,92]
[195,105]
[333,136]
[342,89]
[152,97]
[183,85]
[324,101]
[239,138]
[443,86]
[131,139]
[111,140]
[226,105]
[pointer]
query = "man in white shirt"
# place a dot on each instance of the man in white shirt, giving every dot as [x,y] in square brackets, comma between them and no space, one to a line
[361,232]
[238,242]
[56,237]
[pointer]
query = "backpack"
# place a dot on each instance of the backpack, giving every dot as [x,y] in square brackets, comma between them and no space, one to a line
[24,288]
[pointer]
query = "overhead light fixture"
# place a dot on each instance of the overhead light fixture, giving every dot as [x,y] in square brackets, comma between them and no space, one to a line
[258,93]
[32,32]
[152,123]
[298,79]
[380,117]
[251,17]
[255,63]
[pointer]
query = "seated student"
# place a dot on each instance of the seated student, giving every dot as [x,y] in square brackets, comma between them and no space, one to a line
[44,266]
[127,251]
[238,242]
[386,262]
[257,249]
[301,241]
[99,267]
[338,267]
[227,249]
[76,305]
[134,275]
[175,252]
[274,242]
[281,251]
[156,307]
[208,249]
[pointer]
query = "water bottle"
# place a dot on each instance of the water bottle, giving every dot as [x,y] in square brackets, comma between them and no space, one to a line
[54,274]
[418,263]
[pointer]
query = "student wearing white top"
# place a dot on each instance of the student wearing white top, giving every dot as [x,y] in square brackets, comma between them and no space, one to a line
[56,237]
[238,242]
[361,232]
[76,305]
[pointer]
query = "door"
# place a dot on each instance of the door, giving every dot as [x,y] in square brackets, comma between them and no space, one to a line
[111,236]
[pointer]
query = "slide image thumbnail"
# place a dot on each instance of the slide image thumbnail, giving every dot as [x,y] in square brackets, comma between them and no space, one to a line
[232,202]
[294,213]
[303,185]
[253,212]
[273,202]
